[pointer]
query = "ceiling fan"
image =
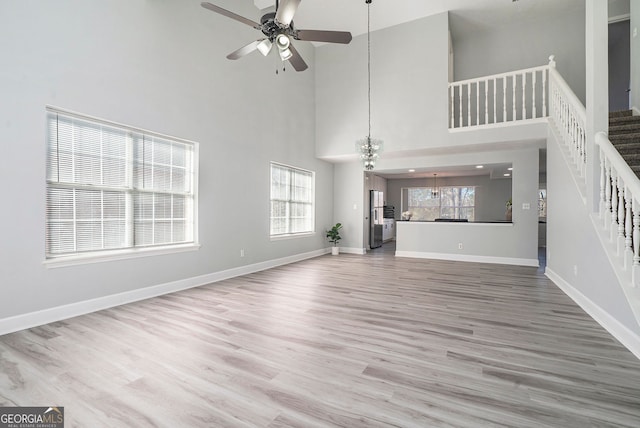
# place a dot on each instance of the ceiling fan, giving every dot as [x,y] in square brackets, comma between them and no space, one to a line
[279,30]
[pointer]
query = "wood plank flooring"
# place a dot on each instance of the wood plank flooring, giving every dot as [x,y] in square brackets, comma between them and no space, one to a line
[350,341]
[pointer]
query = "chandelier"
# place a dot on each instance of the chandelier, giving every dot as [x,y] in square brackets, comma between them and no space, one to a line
[369,148]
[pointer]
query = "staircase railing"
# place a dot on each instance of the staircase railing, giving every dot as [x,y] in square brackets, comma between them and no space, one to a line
[499,99]
[569,115]
[618,219]
[620,208]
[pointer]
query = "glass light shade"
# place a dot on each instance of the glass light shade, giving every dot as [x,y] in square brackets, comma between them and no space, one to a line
[282,41]
[369,149]
[285,54]
[265,47]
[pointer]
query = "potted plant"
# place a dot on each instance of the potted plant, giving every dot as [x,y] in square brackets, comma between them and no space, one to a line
[333,235]
[509,206]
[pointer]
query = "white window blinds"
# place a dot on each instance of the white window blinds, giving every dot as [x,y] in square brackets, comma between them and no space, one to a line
[111,187]
[292,200]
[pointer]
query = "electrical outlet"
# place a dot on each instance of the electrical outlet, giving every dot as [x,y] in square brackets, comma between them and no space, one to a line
[460,246]
[242,252]
[526,206]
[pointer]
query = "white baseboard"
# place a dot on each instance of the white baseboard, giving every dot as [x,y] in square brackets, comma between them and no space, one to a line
[635,111]
[46,316]
[627,337]
[469,258]
[353,250]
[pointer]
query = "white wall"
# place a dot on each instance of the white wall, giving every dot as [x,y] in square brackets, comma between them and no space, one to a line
[349,205]
[159,66]
[409,71]
[524,43]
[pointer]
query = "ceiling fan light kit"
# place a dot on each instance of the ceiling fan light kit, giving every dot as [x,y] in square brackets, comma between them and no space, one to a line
[279,30]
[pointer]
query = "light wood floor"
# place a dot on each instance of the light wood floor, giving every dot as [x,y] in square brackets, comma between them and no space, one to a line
[352,341]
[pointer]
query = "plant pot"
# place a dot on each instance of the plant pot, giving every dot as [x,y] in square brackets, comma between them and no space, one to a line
[335,251]
[508,214]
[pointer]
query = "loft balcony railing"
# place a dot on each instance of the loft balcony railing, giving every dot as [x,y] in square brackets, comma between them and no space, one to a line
[499,99]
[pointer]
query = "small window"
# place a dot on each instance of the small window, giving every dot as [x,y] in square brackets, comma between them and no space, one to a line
[111,187]
[292,200]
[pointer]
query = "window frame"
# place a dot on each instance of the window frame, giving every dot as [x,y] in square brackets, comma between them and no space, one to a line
[312,203]
[130,191]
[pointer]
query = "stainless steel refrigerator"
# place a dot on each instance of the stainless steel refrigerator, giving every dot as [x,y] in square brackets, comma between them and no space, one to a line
[376,219]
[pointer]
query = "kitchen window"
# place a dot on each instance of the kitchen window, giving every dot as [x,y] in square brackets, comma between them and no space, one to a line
[116,189]
[292,201]
[450,202]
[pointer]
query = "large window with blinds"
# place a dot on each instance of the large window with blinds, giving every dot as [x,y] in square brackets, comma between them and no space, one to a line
[112,187]
[292,200]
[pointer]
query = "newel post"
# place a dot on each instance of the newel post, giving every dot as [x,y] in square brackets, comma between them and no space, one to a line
[597,93]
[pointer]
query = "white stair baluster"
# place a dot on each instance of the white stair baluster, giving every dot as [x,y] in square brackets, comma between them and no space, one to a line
[602,185]
[460,124]
[486,101]
[495,100]
[513,90]
[469,104]
[544,94]
[607,200]
[636,243]
[621,215]
[477,103]
[534,112]
[524,96]
[504,99]
[628,229]
[452,89]
[614,206]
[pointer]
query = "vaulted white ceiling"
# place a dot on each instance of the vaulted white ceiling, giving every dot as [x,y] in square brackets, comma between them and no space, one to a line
[471,15]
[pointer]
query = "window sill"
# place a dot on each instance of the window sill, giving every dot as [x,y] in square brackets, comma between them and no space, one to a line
[106,256]
[291,236]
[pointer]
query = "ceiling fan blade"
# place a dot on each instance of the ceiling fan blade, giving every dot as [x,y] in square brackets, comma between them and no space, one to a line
[244,50]
[296,60]
[231,15]
[324,36]
[285,12]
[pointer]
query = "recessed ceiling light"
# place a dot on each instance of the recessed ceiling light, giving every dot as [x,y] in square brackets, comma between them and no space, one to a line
[479,166]
[412,170]
[507,175]
[510,169]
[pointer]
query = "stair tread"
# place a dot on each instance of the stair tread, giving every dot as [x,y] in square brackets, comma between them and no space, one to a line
[622,138]
[628,148]
[625,129]
[620,113]
[623,119]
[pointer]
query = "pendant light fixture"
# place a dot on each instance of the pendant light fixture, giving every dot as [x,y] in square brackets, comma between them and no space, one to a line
[434,191]
[369,148]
